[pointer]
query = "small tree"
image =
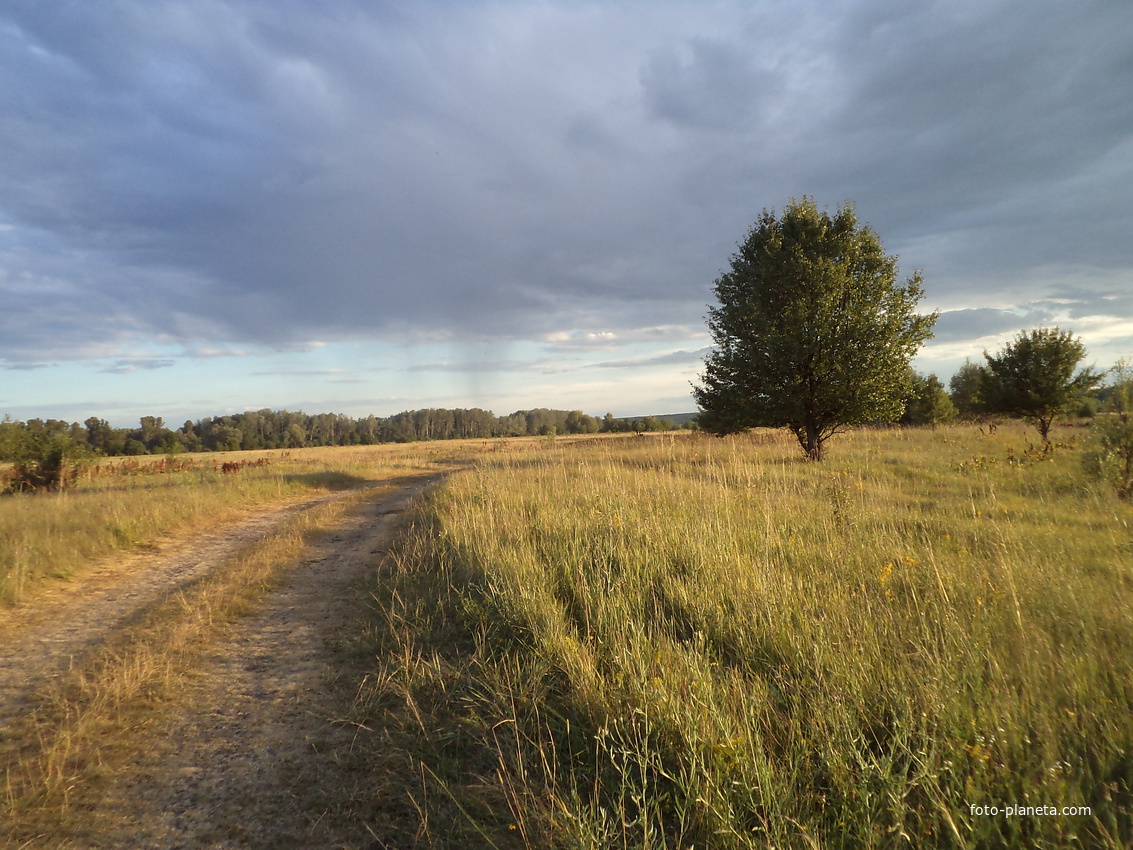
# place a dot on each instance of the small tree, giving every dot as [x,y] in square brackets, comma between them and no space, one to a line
[966,389]
[812,332]
[41,459]
[929,404]
[1036,377]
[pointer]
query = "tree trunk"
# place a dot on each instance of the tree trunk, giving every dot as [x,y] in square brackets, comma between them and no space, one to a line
[814,450]
[810,439]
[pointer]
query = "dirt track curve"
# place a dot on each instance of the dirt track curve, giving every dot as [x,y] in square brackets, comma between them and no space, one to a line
[241,762]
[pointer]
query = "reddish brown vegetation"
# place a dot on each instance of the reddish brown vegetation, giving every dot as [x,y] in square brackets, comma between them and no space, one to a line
[236,466]
[16,479]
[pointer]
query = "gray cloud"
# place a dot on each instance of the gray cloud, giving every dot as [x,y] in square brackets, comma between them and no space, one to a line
[1080,302]
[974,324]
[476,366]
[471,366]
[236,174]
[26,367]
[1062,311]
[610,340]
[127,366]
[718,87]
[300,372]
[659,360]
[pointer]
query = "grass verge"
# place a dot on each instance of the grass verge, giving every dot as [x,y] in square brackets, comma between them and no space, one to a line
[57,535]
[709,643]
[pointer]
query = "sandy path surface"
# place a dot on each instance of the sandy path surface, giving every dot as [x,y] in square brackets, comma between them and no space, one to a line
[70,619]
[254,755]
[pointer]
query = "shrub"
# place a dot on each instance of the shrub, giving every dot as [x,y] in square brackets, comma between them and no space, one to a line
[929,404]
[43,461]
[1089,408]
[1110,457]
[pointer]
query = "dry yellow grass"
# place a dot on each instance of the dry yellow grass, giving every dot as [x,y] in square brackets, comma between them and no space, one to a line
[682,641]
[695,642]
[56,535]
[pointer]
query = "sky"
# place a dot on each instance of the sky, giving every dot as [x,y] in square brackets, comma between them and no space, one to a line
[367,207]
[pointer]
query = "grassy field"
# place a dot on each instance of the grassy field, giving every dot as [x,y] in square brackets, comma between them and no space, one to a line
[680,641]
[55,535]
[667,641]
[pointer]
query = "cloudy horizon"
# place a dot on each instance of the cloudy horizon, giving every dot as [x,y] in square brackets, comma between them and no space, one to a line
[370,207]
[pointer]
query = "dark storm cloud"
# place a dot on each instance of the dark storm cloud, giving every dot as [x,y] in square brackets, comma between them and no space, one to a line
[1002,126]
[718,86]
[227,172]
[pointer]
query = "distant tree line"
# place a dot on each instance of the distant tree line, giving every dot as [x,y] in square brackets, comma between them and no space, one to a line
[284,429]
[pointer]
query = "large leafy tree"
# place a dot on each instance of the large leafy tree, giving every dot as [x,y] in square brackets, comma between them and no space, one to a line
[1036,377]
[812,333]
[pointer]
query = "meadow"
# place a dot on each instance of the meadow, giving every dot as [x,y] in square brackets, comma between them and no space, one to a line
[683,641]
[125,504]
[659,641]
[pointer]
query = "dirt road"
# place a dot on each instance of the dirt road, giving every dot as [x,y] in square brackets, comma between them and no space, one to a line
[252,756]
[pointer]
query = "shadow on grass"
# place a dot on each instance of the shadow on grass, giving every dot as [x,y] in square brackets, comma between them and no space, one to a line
[331,480]
[328,480]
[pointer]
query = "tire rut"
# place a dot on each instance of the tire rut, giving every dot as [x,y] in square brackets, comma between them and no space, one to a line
[254,756]
[71,620]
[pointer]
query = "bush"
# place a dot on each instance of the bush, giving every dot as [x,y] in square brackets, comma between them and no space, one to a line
[1089,408]
[929,404]
[43,461]
[1110,456]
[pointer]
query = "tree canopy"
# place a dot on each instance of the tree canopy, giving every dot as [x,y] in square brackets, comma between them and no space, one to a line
[967,389]
[1036,377]
[812,332]
[929,404]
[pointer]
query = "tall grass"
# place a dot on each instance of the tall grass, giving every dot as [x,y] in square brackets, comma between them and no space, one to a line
[679,642]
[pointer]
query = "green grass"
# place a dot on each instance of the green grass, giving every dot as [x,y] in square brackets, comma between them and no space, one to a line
[691,642]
